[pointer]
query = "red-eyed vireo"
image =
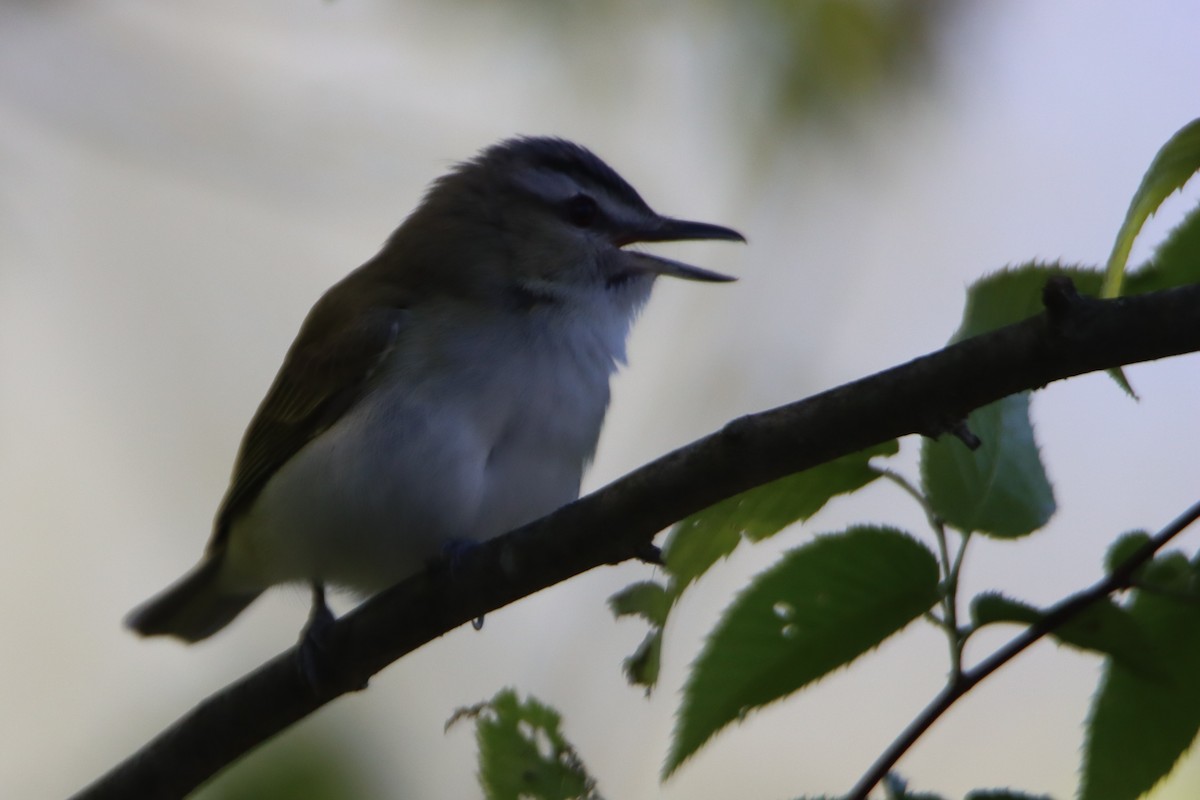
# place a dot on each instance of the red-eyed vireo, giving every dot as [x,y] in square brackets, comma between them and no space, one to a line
[450,389]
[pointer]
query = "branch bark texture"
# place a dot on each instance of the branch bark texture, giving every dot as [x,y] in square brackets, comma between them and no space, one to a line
[928,395]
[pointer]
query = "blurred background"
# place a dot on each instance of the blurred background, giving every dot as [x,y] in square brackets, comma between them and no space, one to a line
[180,181]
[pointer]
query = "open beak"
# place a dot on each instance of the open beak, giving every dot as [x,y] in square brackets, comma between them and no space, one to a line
[666,229]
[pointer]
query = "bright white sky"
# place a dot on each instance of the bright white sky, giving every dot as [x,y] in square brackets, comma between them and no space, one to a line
[181,183]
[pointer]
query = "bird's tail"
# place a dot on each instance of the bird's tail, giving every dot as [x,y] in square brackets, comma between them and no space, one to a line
[194,607]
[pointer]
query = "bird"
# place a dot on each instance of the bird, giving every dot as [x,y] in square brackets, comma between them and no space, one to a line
[448,390]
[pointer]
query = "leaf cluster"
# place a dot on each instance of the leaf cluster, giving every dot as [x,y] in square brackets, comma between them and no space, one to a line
[837,597]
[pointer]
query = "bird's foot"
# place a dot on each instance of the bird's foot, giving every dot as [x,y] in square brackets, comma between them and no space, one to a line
[314,653]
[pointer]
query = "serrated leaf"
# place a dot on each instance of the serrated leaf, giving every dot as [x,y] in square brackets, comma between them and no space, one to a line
[645,599]
[1107,628]
[1014,294]
[652,602]
[1103,627]
[1125,546]
[819,608]
[991,608]
[895,787]
[1174,164]
[1139,727]
[1167,573]
[642,667]
[999,489]
[699,541]
[696,543]
[1176,261]
[523,754]
[1004,794]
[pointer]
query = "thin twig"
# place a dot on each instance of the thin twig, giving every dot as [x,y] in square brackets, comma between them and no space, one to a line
[1120,578]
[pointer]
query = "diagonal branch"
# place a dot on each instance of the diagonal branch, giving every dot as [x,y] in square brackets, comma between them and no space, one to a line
[1121,578]
[928,395]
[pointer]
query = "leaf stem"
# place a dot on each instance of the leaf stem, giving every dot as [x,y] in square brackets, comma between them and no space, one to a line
[913,491]
[1120,578]
[950,568]
[956,634]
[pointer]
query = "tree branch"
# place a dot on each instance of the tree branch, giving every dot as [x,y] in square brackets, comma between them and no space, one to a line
[928,395]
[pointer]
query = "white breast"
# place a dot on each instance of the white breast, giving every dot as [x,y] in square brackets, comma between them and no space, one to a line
[468,432]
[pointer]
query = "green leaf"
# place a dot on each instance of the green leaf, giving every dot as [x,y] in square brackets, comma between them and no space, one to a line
[1171,168]
[696,543]
[522,753]
[1169,573]
[699,541]
[1014,294]
[1138,727]
[1103,627]
[820,607]
[641,668]
[991,608]
[1107,628]
[895,787]
[645,599]
[299,765]
[1176,261]
[1123,548]
[652,602]
[999,489]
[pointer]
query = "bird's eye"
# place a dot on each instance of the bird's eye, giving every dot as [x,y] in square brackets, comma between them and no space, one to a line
[581,210]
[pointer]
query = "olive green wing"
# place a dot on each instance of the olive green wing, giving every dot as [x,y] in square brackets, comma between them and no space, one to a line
[327,369]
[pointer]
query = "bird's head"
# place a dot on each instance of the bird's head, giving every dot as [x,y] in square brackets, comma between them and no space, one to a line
[546,220]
